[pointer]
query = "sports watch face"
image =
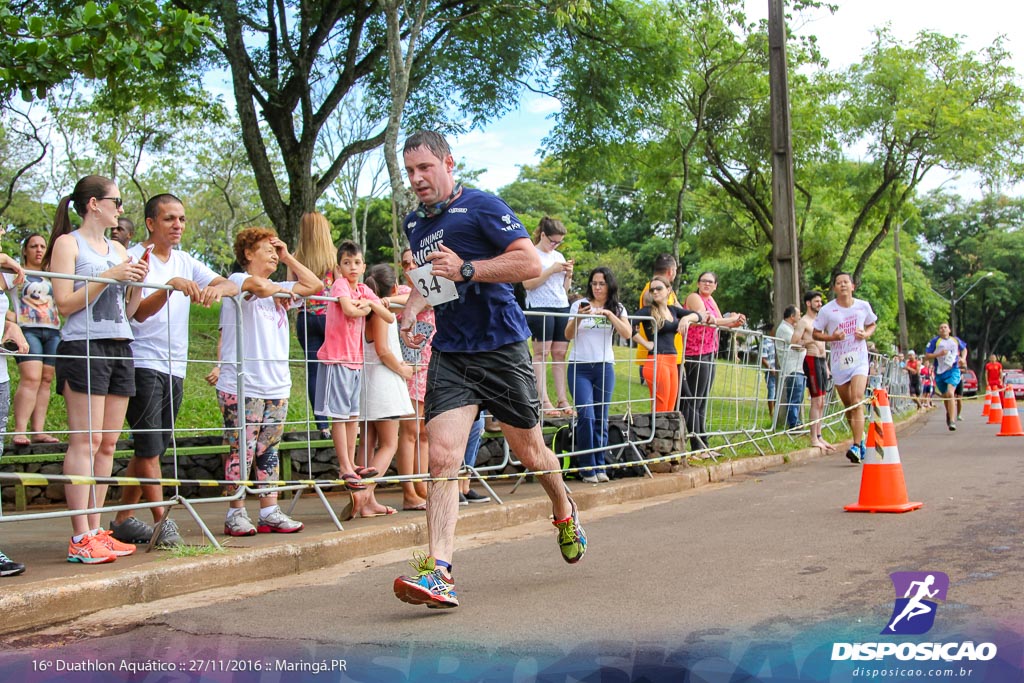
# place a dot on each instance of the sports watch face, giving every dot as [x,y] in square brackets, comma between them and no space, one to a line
[467,271]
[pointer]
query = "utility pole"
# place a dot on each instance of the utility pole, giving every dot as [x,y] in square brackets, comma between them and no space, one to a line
[902,304]
[785,256]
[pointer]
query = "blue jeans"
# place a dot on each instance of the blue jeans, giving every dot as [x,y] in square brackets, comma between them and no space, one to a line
[310,330]
[591,386]
[793,398]
[476,432]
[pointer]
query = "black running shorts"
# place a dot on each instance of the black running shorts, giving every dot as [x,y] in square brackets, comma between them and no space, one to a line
[502,381]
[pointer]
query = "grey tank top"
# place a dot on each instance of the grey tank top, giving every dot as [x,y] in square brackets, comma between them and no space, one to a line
[103,317]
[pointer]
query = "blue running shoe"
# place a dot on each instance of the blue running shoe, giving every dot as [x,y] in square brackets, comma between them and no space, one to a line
[855,454]
[572,540]
[429,587]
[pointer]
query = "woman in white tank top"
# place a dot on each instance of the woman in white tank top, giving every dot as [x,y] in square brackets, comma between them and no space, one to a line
[547,303]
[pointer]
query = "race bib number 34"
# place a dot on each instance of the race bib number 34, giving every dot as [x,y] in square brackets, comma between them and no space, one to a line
[436,290]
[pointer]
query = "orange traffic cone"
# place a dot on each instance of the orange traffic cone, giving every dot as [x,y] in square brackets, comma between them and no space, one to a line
[882,487]
[988,402]
[995,411]
[1011,420]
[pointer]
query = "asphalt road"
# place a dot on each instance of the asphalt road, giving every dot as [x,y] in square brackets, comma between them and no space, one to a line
[757,576]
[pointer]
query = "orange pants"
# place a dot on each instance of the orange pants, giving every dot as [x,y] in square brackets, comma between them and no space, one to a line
[664,366]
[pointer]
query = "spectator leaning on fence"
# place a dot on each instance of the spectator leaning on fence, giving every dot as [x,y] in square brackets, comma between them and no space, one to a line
[340,380]
[12,335]
[94,369]
[385,395]
[660,370]
[160,350]
[316,251]
[791,366]
[259,320]
[847,323]
[699,352]
[592,365]
[665,266]
[36,313]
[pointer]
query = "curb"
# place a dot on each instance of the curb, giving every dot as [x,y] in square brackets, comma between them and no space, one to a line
[52,601]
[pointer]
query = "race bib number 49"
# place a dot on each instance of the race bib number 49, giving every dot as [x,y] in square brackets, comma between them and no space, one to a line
[436,290]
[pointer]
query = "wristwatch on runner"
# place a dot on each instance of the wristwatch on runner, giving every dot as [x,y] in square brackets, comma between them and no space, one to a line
[467,271]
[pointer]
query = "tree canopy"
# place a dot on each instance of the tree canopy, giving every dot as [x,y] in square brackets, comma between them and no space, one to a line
[44,44]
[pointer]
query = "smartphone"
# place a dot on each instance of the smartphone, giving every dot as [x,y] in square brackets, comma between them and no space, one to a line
[584,306]
[9,346]
[145,255]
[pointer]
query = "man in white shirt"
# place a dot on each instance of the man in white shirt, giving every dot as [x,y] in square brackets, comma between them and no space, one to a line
[160,349]
[791,363]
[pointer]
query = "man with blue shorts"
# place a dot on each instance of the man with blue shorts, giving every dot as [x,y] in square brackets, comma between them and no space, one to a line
[470,246]
[947,352]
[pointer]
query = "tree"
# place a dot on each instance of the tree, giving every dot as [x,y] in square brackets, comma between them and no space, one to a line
[103,134]
[293,64]
[692,117]
[23,145]
[966,240]
[924,106]
[44,44]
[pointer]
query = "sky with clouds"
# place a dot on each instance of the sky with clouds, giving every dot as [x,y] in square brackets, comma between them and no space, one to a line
[515,140]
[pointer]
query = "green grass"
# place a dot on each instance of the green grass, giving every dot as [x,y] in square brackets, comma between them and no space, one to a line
[199,414]
[193,551]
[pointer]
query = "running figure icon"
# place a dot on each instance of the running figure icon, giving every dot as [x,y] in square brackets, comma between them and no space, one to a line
[916,607]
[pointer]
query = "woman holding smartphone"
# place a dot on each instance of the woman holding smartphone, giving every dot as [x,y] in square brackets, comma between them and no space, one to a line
[95,370]
[591,372]
[547,294]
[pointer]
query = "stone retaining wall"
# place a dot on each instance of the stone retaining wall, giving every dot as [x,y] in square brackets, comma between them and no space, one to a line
[668,435]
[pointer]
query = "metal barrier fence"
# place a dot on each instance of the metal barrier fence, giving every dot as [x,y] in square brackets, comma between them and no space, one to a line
[723,396]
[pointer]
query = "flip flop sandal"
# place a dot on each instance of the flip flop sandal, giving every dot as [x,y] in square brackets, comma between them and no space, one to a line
[346,513]
[353,482]
[365,472]
[388,511]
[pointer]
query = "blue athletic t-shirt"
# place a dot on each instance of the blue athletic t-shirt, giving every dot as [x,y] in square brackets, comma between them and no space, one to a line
[475,226]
